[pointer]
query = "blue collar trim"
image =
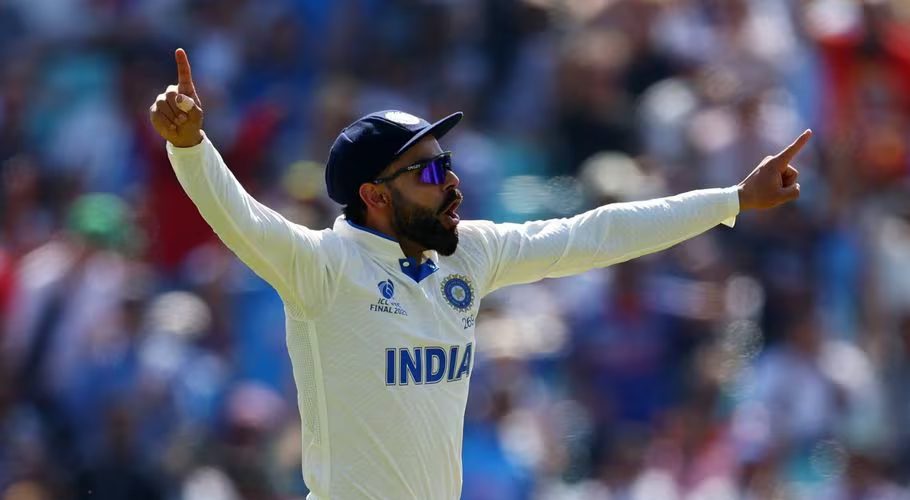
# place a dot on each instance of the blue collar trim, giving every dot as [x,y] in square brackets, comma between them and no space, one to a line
[415,271]
[409,266]
[372,231]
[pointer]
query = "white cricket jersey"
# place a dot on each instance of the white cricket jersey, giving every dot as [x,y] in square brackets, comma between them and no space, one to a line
[382,346]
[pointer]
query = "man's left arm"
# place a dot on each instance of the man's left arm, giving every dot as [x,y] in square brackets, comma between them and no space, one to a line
[522,253]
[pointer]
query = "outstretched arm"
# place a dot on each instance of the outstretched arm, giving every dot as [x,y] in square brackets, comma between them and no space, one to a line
[522,253]
[286,255]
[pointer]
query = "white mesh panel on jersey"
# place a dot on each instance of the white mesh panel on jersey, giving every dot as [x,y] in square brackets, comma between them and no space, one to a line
[300,347]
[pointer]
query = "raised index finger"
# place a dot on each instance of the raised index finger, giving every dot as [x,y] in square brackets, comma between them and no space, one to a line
[184,72]
[791,150]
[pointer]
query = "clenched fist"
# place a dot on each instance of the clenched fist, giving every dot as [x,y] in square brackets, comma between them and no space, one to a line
[177,113]
[773,182]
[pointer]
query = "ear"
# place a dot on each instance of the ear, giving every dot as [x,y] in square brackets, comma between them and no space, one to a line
[374,196]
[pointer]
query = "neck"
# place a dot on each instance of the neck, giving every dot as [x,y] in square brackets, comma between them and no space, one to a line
[412,250]
[408,247]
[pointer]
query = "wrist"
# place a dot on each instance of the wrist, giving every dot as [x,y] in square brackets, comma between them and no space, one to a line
[188,142]
[743,202]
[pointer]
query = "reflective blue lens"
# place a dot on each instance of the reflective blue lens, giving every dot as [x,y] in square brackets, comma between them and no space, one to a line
[435,170]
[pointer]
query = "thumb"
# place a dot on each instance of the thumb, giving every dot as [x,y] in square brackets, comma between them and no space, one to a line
[185,103]
[190,107]
[790,193]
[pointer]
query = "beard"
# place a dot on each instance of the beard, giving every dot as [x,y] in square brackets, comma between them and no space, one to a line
[422,226]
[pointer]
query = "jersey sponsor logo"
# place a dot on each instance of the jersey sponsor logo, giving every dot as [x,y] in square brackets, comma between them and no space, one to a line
[402,118]
[427,365]
[458,292]
[386,303]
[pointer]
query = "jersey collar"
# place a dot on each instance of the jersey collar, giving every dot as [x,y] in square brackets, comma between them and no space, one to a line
[387,247]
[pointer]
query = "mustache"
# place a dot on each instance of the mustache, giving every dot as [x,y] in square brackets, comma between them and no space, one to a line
[453,196]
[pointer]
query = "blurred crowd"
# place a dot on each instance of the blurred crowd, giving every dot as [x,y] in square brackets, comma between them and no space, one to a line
[139,359]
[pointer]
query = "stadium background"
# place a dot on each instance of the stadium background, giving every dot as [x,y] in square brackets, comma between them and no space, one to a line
[141,360]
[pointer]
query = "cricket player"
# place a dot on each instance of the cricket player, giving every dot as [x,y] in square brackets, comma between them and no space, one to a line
[381,307]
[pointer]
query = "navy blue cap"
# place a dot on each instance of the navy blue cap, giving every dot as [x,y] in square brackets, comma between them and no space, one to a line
[366,147]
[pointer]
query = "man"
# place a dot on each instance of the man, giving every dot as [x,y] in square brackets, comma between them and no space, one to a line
[381,308]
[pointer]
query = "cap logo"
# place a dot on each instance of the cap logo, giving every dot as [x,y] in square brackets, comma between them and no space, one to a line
[402,118]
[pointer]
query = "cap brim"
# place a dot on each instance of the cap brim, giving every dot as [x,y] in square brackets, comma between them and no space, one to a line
[437,130]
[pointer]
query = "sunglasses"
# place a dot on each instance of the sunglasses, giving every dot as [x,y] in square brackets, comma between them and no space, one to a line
[432,171]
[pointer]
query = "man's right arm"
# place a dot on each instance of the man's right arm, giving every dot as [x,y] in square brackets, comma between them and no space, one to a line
[286,255]
[290,257]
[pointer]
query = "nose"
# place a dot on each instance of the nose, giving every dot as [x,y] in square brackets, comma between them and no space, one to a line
[452,181]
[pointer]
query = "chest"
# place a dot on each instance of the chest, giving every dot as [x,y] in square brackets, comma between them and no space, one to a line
[438,309]
[410,331]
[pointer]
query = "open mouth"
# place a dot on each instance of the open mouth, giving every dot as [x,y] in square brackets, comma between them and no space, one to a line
[450,214]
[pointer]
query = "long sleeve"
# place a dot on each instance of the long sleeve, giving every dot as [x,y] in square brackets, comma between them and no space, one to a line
[522,253]
[288,256]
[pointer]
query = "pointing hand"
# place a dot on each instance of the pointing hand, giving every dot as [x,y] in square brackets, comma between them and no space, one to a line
[773,182]
[177,113]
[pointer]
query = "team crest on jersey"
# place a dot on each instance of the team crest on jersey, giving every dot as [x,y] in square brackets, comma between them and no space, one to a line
[402,118]
[458,291]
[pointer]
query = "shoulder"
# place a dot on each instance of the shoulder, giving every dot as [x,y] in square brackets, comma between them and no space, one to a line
[325,236]
[488,233]
[474,235]
[476,229]
[325,242]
